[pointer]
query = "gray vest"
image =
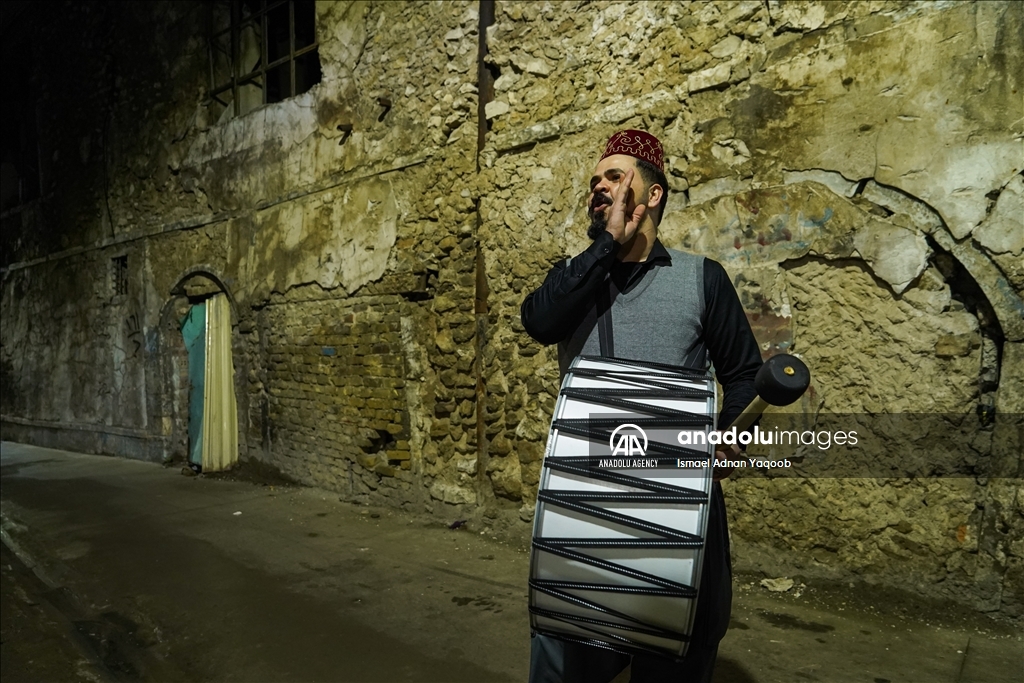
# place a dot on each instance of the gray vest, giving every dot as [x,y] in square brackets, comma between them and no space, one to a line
[659,320]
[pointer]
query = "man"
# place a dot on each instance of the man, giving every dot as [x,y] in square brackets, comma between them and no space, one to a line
[665,306]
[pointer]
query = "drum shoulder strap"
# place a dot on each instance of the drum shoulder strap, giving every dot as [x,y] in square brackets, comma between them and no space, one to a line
[604,322]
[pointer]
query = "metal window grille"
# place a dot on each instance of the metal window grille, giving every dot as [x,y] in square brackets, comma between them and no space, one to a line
[119,275]
[261,51]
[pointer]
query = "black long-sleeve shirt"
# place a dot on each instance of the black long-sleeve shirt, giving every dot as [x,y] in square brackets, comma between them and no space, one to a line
[551,313]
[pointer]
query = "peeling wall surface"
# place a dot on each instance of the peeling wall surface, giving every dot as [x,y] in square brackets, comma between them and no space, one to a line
[855,166]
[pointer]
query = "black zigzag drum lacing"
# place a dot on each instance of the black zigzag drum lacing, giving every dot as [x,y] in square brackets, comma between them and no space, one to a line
[619,528]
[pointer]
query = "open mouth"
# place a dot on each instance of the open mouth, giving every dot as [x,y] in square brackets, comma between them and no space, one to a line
[599,203]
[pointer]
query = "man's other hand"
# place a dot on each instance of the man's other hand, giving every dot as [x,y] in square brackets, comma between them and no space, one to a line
[725,452]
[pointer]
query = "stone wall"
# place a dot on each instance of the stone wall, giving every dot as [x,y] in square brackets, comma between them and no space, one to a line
[856,167]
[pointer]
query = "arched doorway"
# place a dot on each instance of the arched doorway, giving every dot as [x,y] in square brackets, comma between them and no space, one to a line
[199,374]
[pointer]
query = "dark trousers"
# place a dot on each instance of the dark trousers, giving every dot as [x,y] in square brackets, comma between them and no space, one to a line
[556,661]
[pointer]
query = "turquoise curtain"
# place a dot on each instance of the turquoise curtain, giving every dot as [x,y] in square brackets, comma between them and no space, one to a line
[193,329]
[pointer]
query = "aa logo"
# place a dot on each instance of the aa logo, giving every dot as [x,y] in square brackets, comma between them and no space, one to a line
[628,440]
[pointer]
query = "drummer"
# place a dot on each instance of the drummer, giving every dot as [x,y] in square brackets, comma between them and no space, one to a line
[664,306]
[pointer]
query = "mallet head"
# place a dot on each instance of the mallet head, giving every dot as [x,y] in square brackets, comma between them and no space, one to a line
[782,380]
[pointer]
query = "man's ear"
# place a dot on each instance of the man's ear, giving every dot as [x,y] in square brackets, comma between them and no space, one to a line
[655,193]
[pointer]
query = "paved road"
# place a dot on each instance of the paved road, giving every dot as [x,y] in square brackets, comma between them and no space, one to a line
[127,571]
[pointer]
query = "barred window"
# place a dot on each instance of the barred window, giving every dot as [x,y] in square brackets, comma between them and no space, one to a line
[119,275]
[261,51]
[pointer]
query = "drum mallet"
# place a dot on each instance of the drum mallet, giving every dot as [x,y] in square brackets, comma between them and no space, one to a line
[780,381]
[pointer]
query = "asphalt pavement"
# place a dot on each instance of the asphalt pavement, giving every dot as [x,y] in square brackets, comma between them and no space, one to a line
[121,570]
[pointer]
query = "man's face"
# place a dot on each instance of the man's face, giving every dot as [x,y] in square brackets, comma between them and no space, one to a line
[609,174]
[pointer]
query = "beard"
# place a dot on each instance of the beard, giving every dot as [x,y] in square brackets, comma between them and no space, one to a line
[598,224]
[598,220]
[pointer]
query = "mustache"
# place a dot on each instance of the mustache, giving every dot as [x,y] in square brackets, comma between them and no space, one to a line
[598,202]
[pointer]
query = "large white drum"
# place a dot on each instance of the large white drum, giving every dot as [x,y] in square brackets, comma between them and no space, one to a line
[623,506]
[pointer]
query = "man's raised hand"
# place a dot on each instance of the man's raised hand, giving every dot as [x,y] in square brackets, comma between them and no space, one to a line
[621,227]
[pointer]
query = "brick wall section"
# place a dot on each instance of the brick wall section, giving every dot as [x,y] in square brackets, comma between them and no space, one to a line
[335,386]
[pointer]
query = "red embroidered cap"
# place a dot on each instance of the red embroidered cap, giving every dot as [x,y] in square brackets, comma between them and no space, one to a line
[637,144]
